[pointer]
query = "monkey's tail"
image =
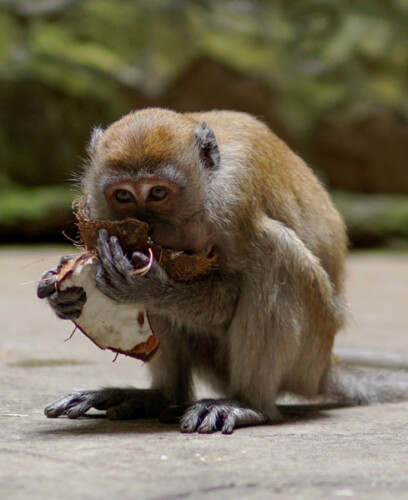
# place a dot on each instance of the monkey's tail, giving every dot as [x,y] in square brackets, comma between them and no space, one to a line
[354,385]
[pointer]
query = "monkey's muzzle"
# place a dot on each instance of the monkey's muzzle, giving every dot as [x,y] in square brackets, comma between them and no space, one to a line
[133,235]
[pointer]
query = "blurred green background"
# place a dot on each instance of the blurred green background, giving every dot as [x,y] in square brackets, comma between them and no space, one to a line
[329,76]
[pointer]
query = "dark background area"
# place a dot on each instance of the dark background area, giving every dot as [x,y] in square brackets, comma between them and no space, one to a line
[329,77]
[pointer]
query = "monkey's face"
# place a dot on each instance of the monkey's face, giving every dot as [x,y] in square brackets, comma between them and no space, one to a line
[161,203]
[151,172]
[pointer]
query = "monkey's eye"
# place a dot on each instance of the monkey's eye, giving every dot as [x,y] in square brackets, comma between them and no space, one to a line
[157,193]
[124,196]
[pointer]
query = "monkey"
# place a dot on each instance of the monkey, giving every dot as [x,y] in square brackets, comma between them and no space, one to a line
[263,322]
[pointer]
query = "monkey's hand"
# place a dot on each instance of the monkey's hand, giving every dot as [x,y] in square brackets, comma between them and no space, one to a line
[120,404]
[210,415]
[67,304]
[116,276]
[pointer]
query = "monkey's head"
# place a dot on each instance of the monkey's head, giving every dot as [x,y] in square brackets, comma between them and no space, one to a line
[152,165]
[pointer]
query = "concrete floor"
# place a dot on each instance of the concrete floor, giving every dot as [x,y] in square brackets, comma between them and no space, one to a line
[355,453]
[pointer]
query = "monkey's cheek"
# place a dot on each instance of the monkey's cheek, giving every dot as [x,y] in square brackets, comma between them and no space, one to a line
[191,237]
[196,237]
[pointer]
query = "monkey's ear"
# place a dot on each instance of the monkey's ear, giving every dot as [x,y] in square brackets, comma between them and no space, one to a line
[97,133]
[207,143]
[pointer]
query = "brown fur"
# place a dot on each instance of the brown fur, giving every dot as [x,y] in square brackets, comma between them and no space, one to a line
[265,322]
[267,182]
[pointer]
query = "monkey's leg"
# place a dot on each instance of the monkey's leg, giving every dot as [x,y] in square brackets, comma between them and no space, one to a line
[120,404]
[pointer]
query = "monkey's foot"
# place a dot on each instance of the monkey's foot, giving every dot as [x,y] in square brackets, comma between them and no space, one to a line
[210,415]
[120,404]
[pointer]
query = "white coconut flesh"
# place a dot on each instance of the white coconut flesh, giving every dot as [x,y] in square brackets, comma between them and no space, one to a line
[110,325]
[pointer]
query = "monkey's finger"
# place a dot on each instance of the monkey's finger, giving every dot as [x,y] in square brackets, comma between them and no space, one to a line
[103,248]
[121,262]
[103,283]
[72,295]
[106,259]
[47,285]
[68,304]
[65,259]
[155,271]
[67,311]
[140,259]
[112,258]
[116,249]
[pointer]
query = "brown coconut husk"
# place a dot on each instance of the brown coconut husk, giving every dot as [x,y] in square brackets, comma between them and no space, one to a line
[133,236]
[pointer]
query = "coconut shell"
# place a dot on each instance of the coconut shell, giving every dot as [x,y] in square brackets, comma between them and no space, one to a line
[133,236]
[121,328]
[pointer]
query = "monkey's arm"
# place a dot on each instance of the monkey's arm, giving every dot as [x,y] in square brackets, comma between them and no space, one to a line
[285,322]
[203,302]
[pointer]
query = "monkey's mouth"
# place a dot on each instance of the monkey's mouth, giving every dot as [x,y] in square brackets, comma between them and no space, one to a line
[133,235]
[191,239]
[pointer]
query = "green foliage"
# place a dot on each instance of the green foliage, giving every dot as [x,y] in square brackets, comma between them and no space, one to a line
[39,204]
[316,53]
[66,65]
[374,219]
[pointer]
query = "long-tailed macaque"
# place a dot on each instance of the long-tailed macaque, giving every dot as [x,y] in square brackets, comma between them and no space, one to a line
[263,323]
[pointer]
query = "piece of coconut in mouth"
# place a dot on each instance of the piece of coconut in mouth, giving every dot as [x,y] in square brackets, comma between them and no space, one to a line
[122,328]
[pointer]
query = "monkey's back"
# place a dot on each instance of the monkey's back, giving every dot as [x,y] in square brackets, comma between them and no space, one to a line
[278,180]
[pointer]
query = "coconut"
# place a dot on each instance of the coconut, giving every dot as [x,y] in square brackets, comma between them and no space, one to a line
[123,328]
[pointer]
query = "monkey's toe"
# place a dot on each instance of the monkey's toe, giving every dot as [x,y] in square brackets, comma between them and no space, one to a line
[209,415]
[204,417]
[74,404]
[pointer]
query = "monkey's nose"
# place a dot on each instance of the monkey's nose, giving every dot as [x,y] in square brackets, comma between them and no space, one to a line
[142,216]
